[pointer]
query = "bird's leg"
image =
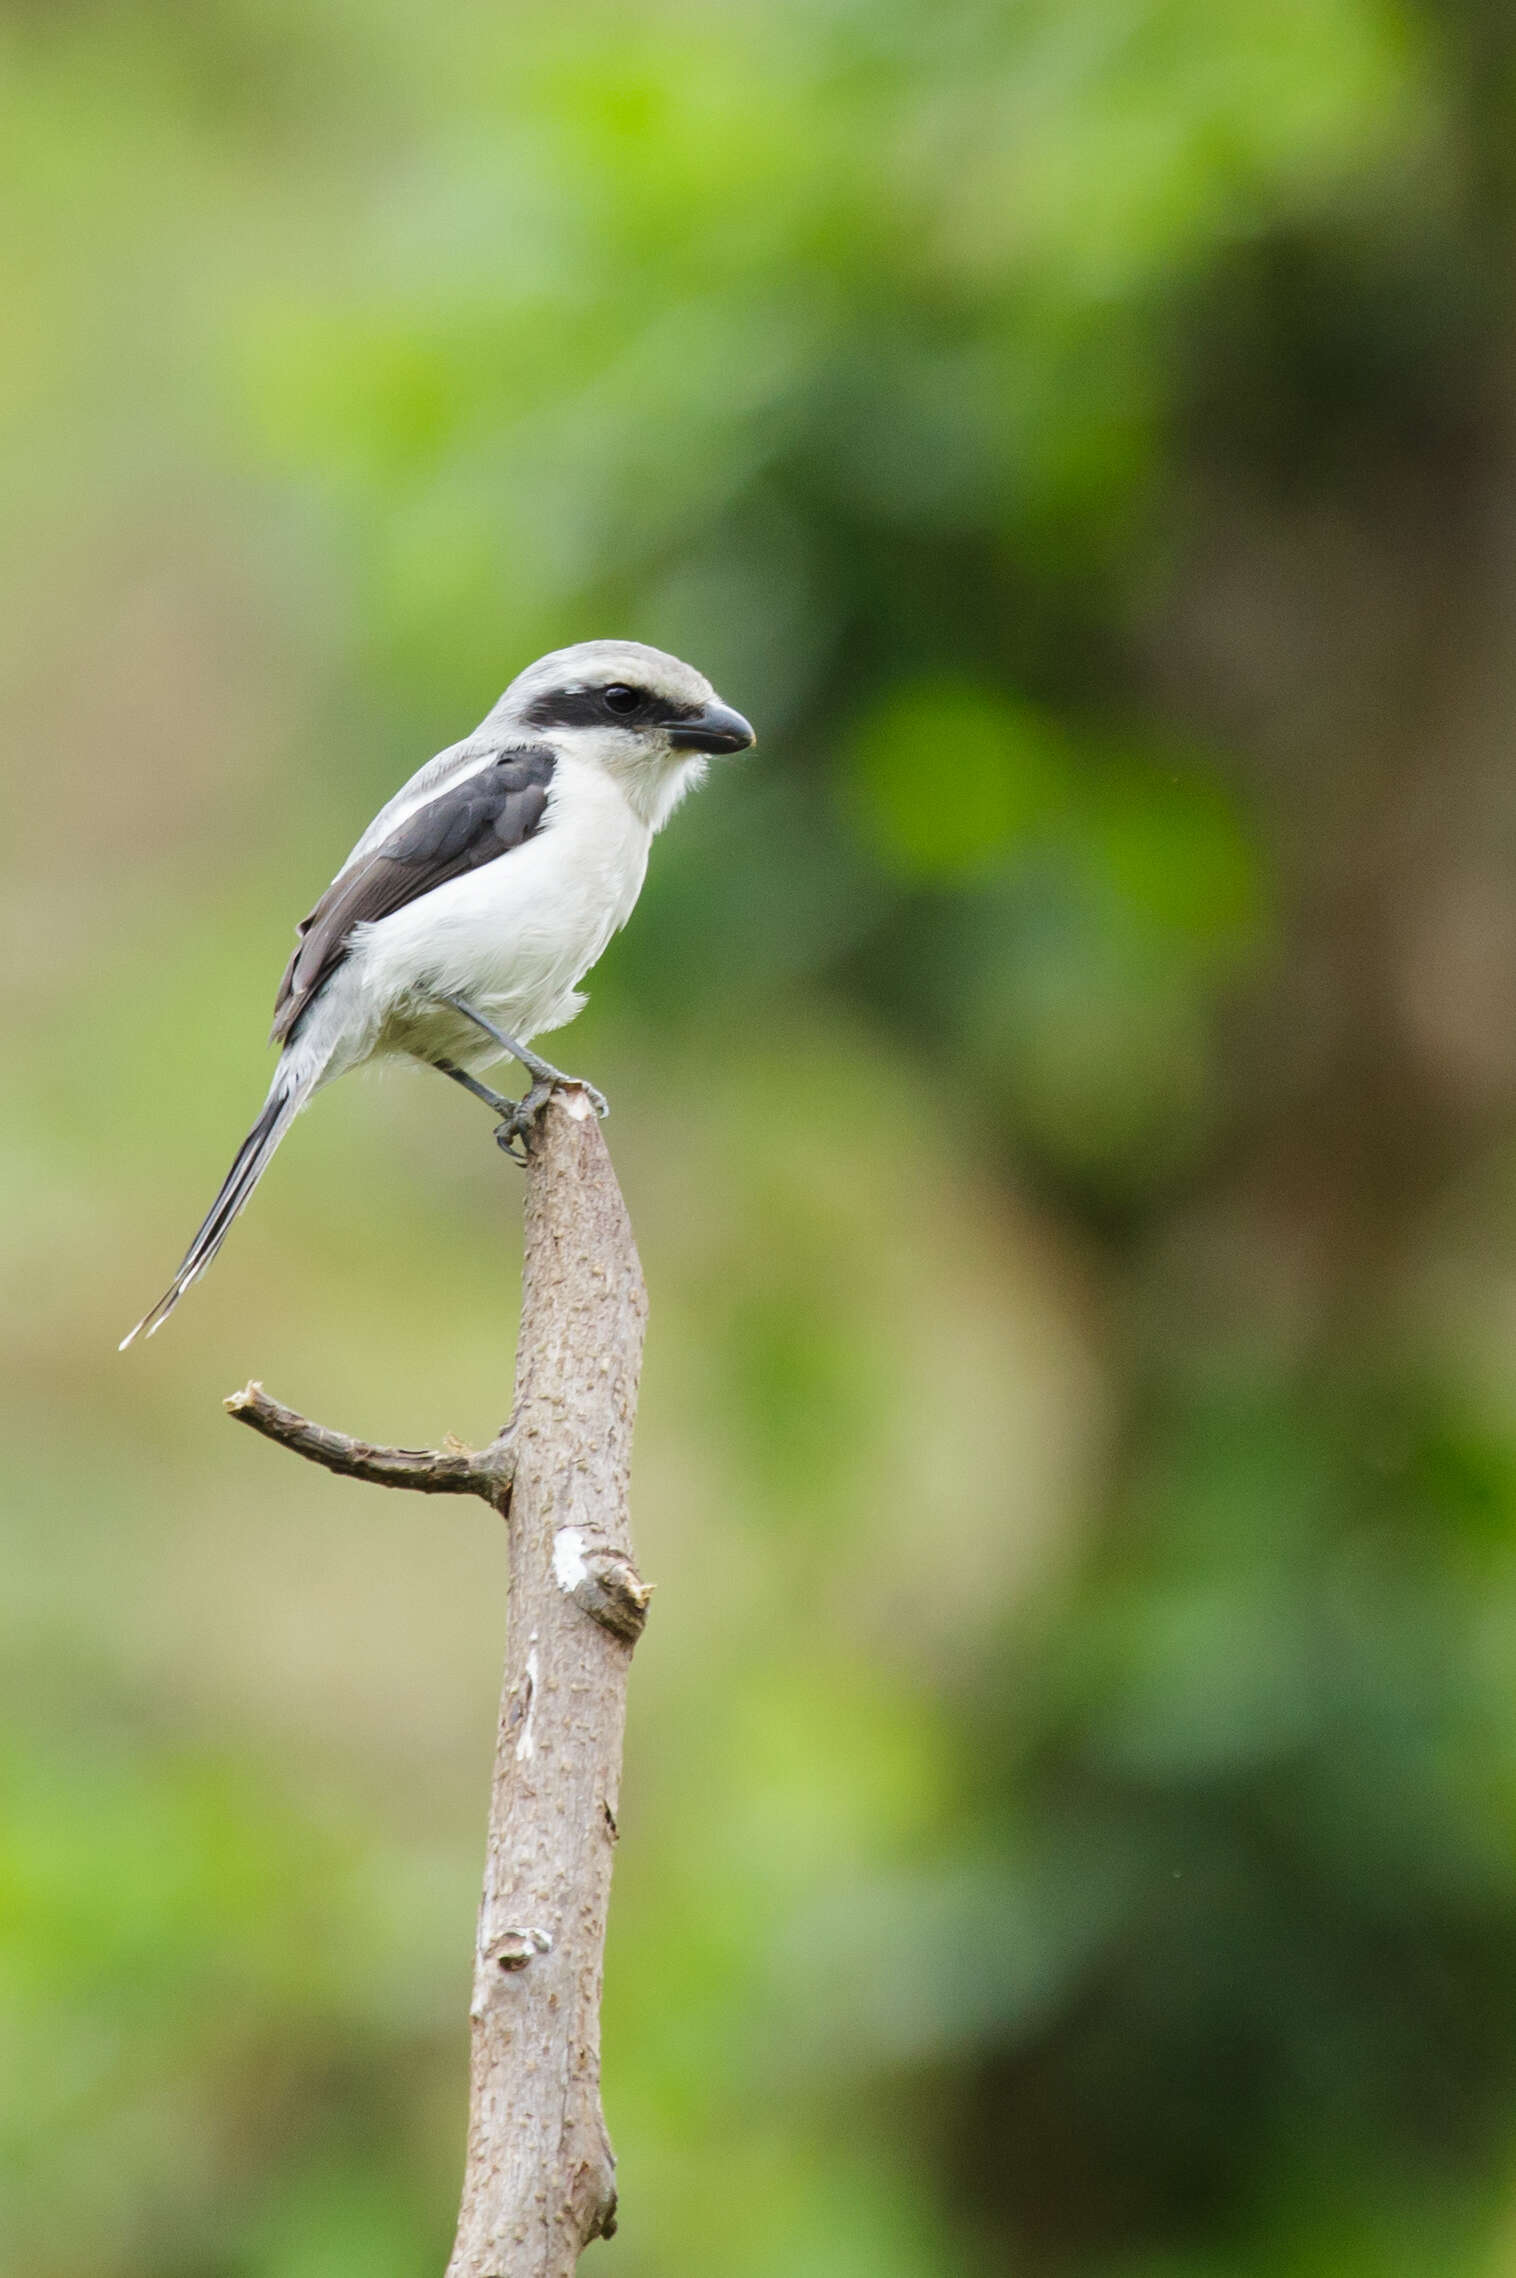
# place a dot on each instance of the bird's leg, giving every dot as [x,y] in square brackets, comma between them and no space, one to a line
[546,1079]
[508,1108]
[496,1100]
[542,1070]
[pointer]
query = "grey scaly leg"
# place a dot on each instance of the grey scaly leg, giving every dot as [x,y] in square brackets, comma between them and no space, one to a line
[546,1079]
[508,1108]
[496,1100]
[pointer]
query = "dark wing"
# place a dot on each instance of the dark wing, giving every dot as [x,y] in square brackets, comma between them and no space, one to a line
[498,807]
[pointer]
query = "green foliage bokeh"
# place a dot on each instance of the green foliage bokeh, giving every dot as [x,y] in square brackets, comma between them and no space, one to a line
[1061,1082]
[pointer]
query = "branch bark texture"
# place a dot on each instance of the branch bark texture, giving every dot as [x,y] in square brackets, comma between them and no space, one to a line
[540,2176]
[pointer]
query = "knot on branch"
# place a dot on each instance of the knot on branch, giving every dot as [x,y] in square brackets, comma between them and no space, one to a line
[602,1582]
[592,2192]
[513,1949]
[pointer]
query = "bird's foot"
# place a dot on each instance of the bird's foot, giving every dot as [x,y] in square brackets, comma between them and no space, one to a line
[520,1115]
[524,1113]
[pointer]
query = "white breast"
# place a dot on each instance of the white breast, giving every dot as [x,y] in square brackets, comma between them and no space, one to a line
[513,937]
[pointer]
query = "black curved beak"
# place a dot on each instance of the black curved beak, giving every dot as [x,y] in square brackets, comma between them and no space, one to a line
[716,727]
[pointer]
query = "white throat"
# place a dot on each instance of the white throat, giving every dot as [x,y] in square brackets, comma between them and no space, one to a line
[652,782]
[654,787]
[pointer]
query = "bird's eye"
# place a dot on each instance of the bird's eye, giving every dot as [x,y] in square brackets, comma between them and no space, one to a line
[619,698]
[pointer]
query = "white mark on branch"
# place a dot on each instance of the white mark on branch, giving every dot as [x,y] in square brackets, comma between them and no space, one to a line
[569,1569]
[526,1744]
[513,1949]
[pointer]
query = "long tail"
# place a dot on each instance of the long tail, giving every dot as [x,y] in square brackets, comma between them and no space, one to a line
[287,1095]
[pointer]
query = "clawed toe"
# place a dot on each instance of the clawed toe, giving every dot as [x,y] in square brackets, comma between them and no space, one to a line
[519,1122]
[546,1079]
[525,1112]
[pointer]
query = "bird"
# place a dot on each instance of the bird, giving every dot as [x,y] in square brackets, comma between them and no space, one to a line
[481,894]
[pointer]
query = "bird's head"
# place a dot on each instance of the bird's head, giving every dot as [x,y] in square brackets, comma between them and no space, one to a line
[642,715]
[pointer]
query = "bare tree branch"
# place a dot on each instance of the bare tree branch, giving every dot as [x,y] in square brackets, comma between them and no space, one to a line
[540,2175]
[450,1470]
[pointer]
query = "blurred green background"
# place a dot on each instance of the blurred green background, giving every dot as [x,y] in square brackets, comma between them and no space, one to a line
[1063,1085]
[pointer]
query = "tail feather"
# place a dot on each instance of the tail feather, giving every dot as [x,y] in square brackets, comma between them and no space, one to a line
[284,1102]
